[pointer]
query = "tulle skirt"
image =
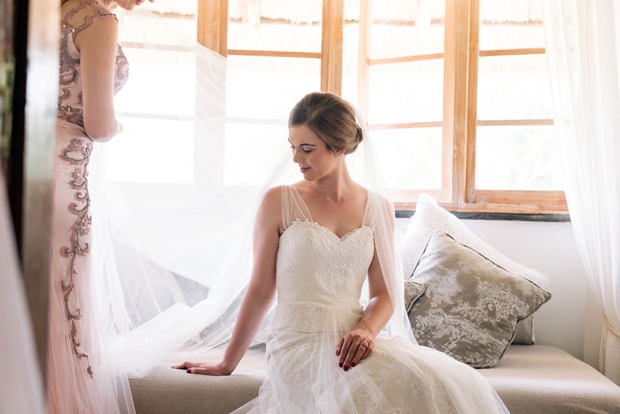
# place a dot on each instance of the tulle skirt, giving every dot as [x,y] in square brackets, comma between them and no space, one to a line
[398,377]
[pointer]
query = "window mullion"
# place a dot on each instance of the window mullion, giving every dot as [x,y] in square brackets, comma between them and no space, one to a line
[212,16]
[472,102]
[456,50]
[331,46]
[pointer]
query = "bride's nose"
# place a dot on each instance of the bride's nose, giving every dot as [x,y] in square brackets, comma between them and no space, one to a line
[297,156]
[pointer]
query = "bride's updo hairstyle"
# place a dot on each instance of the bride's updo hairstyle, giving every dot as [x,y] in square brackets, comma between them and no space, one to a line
[331,118]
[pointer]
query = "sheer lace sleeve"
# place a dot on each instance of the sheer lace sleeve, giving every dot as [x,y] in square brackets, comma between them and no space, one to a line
[97,12]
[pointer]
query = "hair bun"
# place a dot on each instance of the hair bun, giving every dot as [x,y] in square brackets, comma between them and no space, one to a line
[359,137]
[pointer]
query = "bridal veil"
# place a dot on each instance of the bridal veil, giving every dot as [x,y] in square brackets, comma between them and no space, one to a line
[174,198]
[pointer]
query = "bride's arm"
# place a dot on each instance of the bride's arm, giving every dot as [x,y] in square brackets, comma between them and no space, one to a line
[359,343]
[260,293]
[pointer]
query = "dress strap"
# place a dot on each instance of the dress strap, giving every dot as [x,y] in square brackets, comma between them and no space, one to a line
[293,206]
[95,15]
[366,215]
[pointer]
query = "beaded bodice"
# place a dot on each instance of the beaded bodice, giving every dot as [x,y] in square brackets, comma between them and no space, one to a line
[70,101]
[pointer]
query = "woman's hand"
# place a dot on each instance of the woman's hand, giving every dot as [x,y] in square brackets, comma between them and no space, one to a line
[353,347]
[204,368]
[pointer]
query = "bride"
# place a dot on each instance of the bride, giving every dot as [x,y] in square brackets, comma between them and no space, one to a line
[315,243]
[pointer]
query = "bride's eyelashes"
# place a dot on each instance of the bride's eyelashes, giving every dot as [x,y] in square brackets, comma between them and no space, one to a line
[305,150]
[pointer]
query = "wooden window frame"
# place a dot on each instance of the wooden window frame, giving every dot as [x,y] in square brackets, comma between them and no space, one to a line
[213,33]
[459,123]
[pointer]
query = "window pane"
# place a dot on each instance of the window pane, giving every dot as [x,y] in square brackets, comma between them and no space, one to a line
[164,29]
[517,158]
[410,158]
[406,92]
[406,28]
[268,82]
[149,67]
[510,24]
[514,87]
[252,151]
[280,35]
[350,61]
[158,160]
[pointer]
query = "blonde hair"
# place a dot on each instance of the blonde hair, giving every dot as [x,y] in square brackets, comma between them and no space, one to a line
[331,118]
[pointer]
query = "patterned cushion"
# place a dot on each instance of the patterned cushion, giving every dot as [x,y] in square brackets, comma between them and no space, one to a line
[430,217]
[471,305]
[413,291]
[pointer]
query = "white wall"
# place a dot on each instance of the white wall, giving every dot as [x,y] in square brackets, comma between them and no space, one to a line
[571,319]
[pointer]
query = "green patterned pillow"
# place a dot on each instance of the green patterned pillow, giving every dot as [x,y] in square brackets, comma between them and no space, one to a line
[471,305]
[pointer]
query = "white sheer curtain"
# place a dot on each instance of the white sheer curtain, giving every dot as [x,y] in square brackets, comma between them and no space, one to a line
[583,48]
[21,389]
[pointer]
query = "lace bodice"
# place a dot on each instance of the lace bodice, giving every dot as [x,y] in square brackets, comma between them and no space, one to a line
[70,103]
[314,264]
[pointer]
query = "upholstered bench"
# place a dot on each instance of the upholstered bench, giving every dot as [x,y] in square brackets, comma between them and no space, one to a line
[530,379]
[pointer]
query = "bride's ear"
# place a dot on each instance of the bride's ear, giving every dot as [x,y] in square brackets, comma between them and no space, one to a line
[340,151]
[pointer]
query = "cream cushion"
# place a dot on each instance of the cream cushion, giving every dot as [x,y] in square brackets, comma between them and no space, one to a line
[538,379]
[532,379]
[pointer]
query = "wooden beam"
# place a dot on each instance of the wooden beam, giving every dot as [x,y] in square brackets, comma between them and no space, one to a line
[515,122]
[492,201]
[513,52]
[273,53]
[454,141]
[405,59]
[212,25]
[430,124]
[331,46]
[472,102]
[363,58]
[534,202]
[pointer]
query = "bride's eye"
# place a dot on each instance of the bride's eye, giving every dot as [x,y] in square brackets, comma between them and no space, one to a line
[307,151]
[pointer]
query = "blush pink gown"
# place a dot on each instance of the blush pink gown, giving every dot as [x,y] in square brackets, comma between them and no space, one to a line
[79,379]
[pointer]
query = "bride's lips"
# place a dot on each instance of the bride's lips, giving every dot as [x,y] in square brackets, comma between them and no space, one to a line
[303,170]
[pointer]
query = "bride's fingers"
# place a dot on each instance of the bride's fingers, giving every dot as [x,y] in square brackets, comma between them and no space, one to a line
[368,350]
[339,347]
[186,364]
[344,351]
[359,354]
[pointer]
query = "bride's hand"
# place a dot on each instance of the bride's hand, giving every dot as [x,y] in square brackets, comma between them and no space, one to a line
[353,347]
[203,368]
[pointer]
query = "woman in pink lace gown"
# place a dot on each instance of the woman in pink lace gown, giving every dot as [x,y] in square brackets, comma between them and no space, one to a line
[92,69]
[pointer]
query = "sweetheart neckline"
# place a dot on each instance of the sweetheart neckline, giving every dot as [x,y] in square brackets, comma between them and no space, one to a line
[343,238]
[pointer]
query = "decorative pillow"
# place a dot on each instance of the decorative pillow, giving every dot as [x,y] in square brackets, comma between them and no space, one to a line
[413,291]
[471,305]
[429,218]
[525,332]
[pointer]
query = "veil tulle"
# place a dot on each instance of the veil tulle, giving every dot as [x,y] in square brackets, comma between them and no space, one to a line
[174,199]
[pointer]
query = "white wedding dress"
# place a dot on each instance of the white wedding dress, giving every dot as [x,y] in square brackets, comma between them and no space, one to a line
[319,283]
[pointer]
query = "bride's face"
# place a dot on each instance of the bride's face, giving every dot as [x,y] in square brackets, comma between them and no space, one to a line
[311,154]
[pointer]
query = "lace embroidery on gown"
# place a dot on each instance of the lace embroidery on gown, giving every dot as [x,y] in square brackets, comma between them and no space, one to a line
[78,377]
[319,279]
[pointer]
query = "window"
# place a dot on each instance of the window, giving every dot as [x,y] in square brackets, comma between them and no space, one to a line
[455,91]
